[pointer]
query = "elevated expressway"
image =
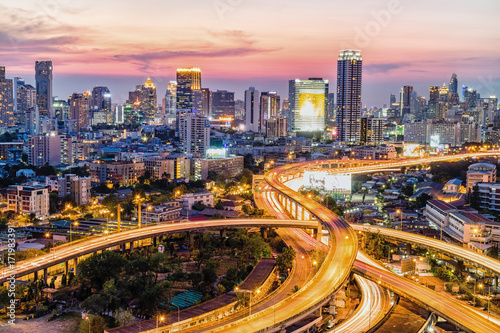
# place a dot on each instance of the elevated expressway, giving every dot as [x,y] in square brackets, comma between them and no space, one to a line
[462,316]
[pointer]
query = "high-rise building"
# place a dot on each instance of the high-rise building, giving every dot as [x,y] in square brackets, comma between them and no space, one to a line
[349,76]
[252,111]
[406,100]
[392,99]
[206,105]
[453,88]
[43,78]
[61,108]
[222,104]
[170,100]
[194,133]
[188,80]
[471,97]
[277,127]
[331,108]
[149,101]
[25,99]
[44,149]
[269,106]
[79,106]
[6,100]
[308,99]
[372,130]
[433,111]
[75,187]
[101,102]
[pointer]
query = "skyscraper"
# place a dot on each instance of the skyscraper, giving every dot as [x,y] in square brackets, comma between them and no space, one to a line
[406,93]
[269,106]
[43,78]
[222,104]
[194,133]
[79,106]
[432,110]
[170,99]
[206,96]
[453,88]
[349,75]
[331,108]
[101,102]
[252,110]
[308,99]
[6,100]
[188,80]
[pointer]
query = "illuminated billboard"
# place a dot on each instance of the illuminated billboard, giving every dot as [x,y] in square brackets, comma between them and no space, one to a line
[216,153]
[412,150]
[435,141]
[337,184]
[312,104]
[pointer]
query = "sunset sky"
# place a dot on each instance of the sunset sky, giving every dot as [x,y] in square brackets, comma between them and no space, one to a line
[238,43]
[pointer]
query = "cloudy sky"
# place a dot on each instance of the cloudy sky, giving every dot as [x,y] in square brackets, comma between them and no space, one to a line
[238,43]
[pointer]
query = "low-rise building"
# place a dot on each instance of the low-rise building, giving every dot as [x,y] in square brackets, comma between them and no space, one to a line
[122,172]
[381,152]
[480,173]
[229,166]
[160,168]
[29,199]
[77,188]
[189,199]
[166,212]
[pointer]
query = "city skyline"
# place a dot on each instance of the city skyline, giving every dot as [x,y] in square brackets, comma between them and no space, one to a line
[235,51]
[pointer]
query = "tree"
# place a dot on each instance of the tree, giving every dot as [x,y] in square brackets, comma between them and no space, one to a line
[100,267]
[285,261]
[199,206]
[407,190]
[54,202]
[97,325]
[259,248]
[123,317]
[421,200]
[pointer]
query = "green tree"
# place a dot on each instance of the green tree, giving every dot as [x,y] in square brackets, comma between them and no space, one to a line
[97,324]
[285,261]
[123,317]
[54,202]
[421,200]
[100,267]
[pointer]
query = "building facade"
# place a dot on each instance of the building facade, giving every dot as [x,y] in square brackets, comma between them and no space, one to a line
[349,76]
[29,200]
[308,104]
[43,78]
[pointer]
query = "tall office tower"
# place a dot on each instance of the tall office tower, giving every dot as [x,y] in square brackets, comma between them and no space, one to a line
[170,99]
[101,102]
[194,133]
[206,96]
[149,101]
[471,97]
[276,127]
[349,76]
[285,108]
[269,106]
[18,82]
[372,130]
[453,88]
[32,120]
[43,78]
[24,99]
[432,109]
[239,110]
[61,108]
[222,104]
[6,100]
[330,114]
[405,100]
[308,100]
[79,108]
[252,111]
[188,80]
[393,99]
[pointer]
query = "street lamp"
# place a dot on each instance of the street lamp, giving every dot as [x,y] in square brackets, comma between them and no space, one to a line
[401,217]
[147,215]
[161,320]
[70,232]
[47,235]
[88,318]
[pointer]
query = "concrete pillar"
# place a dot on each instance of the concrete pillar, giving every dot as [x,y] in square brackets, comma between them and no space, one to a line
[35,276]
[122,248]
[75,263]
[131,246]
[408,249]
[496,282]
[222,233]
[45,275]
[263,232]
[66,267]
[319,233]
[155,241]
[118,218]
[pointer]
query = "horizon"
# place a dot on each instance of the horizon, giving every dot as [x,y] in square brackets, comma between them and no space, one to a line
[238,44]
